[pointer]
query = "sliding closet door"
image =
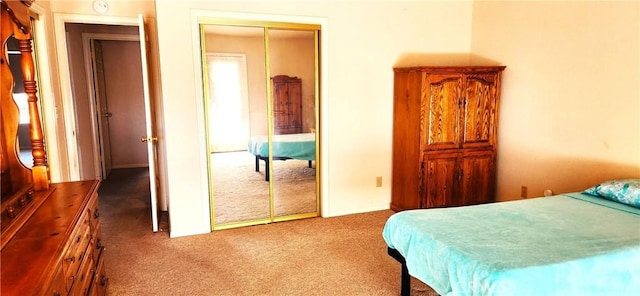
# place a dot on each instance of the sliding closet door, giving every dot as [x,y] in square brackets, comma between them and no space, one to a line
[236,110]
[261,112]
[291,67]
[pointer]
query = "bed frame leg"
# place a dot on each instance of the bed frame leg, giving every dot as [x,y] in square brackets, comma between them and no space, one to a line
[309,163]
[405,278]
[266,170]
[257,163]
[405,281]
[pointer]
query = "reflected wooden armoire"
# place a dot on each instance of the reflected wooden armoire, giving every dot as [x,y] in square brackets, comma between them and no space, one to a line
[51,240]
[444,136]
[287,104]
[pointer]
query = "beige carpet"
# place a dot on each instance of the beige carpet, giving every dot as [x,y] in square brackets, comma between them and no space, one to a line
[240,193]
[318,256]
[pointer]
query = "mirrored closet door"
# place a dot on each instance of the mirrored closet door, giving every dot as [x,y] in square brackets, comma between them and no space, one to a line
[261,110]
[292,86]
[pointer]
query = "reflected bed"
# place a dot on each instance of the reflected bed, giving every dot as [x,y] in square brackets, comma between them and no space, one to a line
[288,146]
[570,244]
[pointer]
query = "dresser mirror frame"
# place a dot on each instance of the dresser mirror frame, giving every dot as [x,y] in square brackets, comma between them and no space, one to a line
[23,189]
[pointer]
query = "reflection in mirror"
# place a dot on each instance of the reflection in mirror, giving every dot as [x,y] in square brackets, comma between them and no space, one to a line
[23,142]
[292,69]
[235,102]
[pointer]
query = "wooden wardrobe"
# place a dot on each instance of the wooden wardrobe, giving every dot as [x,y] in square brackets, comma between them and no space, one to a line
[51,240]
[445,131]
[287,104]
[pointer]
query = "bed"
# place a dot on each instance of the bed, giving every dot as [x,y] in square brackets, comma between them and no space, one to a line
[288,146]
[580,243]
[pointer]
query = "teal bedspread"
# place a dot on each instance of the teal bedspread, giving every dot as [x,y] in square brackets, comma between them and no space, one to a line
[571,244]
[296,146]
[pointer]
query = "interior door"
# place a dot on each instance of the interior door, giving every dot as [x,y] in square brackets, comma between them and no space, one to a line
[103,110]
[150,139]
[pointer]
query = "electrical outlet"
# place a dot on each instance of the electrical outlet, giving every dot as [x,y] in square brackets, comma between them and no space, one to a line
[379,181]
[523,191]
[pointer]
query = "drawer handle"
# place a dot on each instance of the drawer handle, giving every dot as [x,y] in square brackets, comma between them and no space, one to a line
[103,281]
[96,214]
[71,259]
[79,238]
[99,244]
[56,293]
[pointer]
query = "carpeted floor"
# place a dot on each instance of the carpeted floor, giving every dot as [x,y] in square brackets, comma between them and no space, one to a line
[319,256]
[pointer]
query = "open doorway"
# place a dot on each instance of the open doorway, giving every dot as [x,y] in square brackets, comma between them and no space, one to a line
[106,84]
[110,100]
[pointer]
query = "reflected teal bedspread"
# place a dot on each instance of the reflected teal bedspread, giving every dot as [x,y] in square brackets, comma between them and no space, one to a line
[296,146]
[571,244]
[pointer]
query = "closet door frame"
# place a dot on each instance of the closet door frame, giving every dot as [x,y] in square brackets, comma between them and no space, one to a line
[315,25]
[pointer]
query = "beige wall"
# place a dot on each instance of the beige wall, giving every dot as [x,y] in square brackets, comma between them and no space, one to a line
[361,48]
[570,108]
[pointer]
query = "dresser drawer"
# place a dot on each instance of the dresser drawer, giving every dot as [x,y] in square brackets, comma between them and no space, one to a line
[58,286]
[97,244]
[84,277]
[94,212]
[100,281]
[76,251]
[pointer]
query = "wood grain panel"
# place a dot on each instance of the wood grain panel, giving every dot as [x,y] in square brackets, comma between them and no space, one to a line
[441,177]
[441,118]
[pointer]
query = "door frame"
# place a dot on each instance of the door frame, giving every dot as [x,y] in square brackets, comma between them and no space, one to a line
[64,68]
[67,99]
[96,129]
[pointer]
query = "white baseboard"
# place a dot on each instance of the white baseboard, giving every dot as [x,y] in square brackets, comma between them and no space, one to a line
[130,166]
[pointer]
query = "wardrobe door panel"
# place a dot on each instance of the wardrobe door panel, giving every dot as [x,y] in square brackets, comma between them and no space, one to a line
[479,110]
[442,108]
[441,176]
[478,181]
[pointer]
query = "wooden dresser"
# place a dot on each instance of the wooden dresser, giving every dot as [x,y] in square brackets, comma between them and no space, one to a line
[58,250]
[50,240]
[444,135]
[287,104]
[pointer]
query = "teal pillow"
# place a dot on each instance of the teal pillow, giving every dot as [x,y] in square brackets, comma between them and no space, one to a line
[626,191]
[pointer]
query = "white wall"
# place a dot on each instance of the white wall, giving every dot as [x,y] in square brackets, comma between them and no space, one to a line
[570,109]
[363,40]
